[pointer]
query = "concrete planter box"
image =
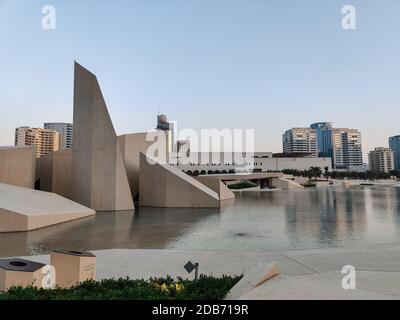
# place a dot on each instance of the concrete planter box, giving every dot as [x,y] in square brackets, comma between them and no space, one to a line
[73,267]
[20,273]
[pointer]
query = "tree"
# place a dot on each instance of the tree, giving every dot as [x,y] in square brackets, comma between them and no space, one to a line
[315,172]
[326,174]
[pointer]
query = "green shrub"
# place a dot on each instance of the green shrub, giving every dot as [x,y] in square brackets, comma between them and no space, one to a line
[244,184]
[205,288]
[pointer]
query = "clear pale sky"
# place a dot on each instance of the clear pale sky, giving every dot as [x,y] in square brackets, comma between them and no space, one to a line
[267,65]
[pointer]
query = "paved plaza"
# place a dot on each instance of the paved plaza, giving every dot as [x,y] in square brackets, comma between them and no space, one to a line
[304,274]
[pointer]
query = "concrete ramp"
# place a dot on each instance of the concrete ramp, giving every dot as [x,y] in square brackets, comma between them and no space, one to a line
[24,209]
[162,185]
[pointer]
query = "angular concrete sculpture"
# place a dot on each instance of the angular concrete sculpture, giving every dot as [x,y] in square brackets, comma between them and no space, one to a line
[224,193]
[17,166]
[131,146]
[99,179]
[24,209]
[54,172]
[162,185]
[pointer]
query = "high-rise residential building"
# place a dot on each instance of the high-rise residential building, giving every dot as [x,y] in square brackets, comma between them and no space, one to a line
[44,140]
[346,149]
[394,144]
[342,145]
[65,130]
[381,160]
[300,141]
[324,138]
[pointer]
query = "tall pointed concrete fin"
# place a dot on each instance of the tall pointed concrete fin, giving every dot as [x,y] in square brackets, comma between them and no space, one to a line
[162,185]
[99,179]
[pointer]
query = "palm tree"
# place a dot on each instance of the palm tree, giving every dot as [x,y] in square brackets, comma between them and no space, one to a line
[326,174]
[315,172]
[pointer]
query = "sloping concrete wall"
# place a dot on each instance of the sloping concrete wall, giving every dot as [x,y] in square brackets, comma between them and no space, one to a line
[17,166]
[24,209]
[131,145]
[301,180]
[224,193]
[285,184]
[54,172]
[99,179]
[161,185]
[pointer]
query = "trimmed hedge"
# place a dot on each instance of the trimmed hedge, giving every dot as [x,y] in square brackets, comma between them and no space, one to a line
[244,184]
[205,288]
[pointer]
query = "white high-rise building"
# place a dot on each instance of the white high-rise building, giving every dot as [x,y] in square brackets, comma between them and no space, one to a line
[301,141]
[347,149]
[381,160]
[169,129]
[44,140]
[65,130]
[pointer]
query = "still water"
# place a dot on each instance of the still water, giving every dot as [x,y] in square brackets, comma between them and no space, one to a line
[268,221]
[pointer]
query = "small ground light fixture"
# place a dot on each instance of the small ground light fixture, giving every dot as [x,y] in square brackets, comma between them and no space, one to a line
[189,267]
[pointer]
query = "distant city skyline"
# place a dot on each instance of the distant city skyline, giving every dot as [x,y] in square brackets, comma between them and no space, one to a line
[267,65]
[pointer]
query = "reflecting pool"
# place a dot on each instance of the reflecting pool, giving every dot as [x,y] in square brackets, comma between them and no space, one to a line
[268,221]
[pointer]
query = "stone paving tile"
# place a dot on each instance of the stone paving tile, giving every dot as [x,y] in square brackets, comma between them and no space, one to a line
[327,286]
[375,257]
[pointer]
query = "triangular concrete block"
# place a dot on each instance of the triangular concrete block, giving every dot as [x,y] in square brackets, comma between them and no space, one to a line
[162,185]
[218,186]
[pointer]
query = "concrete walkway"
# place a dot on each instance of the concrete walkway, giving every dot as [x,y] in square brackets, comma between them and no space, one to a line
[304,274]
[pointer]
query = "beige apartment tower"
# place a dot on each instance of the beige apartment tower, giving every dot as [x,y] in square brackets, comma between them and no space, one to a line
[347,148]
[381,160]
[44,140]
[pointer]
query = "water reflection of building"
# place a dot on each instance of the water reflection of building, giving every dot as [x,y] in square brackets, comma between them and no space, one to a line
[341,215]
[396,216]
[147,228]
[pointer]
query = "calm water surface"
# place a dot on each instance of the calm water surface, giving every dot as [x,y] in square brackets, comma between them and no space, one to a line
[268,221]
